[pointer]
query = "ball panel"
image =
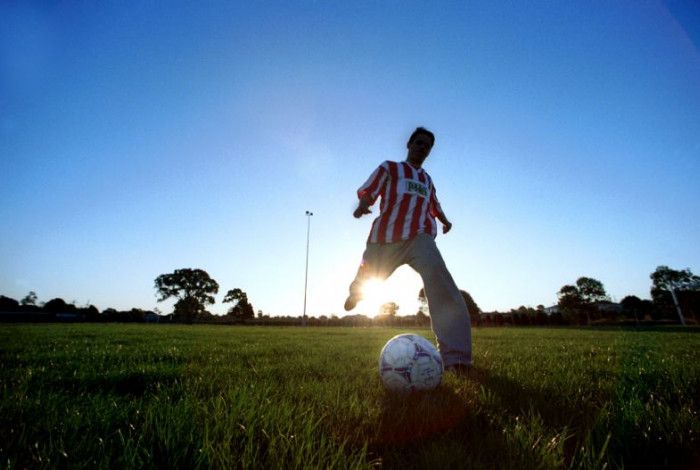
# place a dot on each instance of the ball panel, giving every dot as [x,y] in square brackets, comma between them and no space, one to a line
[396,382]
[410,362]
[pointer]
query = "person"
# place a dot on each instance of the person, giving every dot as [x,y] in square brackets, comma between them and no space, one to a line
[404,233]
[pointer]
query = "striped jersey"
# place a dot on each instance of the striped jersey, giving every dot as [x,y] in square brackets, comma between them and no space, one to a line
[409,204]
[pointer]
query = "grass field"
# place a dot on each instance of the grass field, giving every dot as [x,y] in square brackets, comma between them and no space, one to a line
[133,396]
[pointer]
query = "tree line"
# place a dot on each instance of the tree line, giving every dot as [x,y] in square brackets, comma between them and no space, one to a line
[584,302]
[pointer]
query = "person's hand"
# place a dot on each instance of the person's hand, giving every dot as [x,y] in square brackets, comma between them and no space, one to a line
[446,227]
[361,210]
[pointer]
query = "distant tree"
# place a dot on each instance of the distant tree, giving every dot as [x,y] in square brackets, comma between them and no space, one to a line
[91,313]
[242,309]
[690,303]
[136,314]
[29,299]
[541,317]
[59,305]
[386,314]
[663,280]
[192,287]
[499,319]
[422,319]
[591,290]
[579,301]
[523,315]
[664,277]
[632,307]
[472,307]
[389,309]
[8,304]
[109,314]
[188,309]
[423,302]
[571,303]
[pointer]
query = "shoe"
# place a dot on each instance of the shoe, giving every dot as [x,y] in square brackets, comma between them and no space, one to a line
[351,302]
[460,370]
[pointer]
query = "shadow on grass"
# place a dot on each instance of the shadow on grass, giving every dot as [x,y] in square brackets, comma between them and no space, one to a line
[415,416]
[446,428]
[127,384]
[555,409]
[469,421]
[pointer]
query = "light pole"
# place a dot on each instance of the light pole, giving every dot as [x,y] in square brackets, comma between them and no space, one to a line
[306,274]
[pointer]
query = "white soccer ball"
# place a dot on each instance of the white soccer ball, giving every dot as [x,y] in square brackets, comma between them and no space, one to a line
[410,362]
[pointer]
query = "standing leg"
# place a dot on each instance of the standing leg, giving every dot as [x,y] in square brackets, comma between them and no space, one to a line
[448,311]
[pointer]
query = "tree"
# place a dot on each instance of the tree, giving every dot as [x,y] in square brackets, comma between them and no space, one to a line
[541,317]
[59,305]
[188,309]
[422,302]
[663,280]
[632,307]
[579,301]
[91,313]
[242,309]
[422,319]
[591,290]
[664,277]
[389,309]
[29,299]
[8,304]
[386,314]
[472,307]
[570,302]
[192,287]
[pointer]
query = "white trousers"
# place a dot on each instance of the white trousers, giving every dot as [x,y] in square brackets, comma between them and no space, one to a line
[448,311]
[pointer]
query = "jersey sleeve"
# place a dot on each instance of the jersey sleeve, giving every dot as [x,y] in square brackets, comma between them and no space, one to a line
[434,207]
[373,186]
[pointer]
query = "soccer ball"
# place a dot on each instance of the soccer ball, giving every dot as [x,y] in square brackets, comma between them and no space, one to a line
[410,362]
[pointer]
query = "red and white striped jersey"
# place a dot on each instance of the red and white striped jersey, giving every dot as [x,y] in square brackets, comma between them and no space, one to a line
[409,204]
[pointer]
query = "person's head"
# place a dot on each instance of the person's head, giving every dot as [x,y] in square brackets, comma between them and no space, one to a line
[419,145]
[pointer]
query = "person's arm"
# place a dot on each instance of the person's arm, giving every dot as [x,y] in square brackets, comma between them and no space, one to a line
[446,224]
[363,207]
[369,192]
[436,211]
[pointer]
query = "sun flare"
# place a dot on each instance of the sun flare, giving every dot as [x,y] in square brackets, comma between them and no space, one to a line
[402,287]
[372,291]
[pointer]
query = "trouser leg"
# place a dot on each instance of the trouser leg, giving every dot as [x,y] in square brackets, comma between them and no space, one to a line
[378,262]
[448,310]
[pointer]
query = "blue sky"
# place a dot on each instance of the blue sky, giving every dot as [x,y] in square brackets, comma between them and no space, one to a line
[135,140]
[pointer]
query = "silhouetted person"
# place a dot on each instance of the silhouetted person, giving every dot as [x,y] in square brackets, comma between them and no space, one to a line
[404,233]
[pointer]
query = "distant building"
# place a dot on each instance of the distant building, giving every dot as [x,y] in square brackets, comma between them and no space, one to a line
[551,310]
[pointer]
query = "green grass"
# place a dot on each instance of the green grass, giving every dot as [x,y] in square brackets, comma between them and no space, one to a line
[133,396]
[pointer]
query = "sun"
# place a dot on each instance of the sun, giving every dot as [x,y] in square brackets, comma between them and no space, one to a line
[372,291]
[402,287]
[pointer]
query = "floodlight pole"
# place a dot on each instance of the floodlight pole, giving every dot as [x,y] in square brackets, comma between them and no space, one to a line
[306,274]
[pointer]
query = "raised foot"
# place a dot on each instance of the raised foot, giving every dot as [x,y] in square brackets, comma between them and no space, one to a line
[351,302]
